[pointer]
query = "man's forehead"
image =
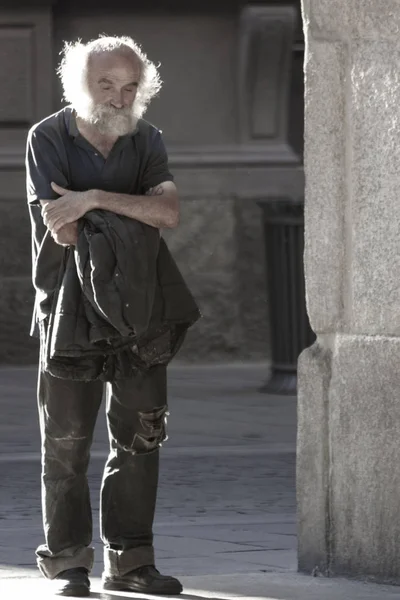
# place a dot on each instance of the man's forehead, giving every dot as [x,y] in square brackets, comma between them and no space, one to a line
[117,62]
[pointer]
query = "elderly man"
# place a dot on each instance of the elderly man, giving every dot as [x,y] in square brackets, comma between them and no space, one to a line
[98,154]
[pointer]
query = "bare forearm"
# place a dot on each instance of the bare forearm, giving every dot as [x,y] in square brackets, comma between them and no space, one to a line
[160,210]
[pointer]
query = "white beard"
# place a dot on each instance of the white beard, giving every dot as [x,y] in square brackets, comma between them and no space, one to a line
[109,120]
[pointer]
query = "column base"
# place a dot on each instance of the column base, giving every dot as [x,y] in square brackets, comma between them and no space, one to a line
[348,458]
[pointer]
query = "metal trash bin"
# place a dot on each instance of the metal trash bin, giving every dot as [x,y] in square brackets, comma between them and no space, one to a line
[289,324]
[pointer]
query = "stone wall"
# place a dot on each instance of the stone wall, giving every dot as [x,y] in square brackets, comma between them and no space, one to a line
[348,471]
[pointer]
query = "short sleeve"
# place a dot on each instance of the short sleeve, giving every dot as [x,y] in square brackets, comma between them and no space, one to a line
[157,169]
[43,166]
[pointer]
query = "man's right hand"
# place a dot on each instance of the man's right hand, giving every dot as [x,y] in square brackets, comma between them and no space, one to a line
[67,235]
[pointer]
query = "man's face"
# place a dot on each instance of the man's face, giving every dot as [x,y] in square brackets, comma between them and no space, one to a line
[113,79]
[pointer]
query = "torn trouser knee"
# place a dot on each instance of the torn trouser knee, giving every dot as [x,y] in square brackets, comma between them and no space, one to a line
[153,430]
[146,434]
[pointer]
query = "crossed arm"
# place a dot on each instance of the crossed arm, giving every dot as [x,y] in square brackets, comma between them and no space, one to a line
[61,216]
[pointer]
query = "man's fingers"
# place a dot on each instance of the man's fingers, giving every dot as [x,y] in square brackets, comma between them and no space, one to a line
[54,224]
[54,207]
[58,189]
[58,223]
[54,228]
[50,215]
[50,220]
[57,214]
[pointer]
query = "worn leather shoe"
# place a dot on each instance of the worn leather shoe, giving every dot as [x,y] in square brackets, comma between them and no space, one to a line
[144,580]
[72,582]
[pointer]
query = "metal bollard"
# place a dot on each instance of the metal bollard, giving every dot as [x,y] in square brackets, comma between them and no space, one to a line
[290,327]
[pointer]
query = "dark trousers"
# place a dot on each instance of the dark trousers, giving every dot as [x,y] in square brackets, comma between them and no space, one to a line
[136,414]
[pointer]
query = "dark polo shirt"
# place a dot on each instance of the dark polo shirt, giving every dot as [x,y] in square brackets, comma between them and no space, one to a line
[56,151]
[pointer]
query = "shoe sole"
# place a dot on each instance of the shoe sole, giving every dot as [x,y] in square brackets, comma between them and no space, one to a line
[121,586]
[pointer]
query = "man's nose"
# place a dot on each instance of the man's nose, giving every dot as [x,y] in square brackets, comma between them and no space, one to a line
[117,100]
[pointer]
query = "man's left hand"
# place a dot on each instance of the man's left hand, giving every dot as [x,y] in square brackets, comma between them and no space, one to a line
[71,207]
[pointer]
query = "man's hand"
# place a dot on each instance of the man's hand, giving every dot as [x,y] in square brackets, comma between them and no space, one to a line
[71,207]
[67,235]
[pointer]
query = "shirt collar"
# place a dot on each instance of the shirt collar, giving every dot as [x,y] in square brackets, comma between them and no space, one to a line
[72,128]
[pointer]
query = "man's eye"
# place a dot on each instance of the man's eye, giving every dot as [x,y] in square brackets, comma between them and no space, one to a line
[106,88]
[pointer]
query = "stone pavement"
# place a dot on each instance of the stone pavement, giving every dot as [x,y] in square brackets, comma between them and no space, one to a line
[225,518]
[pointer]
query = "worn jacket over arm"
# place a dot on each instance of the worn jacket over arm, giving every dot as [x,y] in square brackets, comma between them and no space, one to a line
[121,303]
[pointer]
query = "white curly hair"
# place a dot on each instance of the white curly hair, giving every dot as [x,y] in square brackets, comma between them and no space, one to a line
[72,71]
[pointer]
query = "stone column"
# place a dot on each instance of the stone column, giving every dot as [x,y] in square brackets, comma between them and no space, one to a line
[349,381]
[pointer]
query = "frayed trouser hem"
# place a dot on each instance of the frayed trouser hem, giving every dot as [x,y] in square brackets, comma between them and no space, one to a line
[118,563]
[51,566]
